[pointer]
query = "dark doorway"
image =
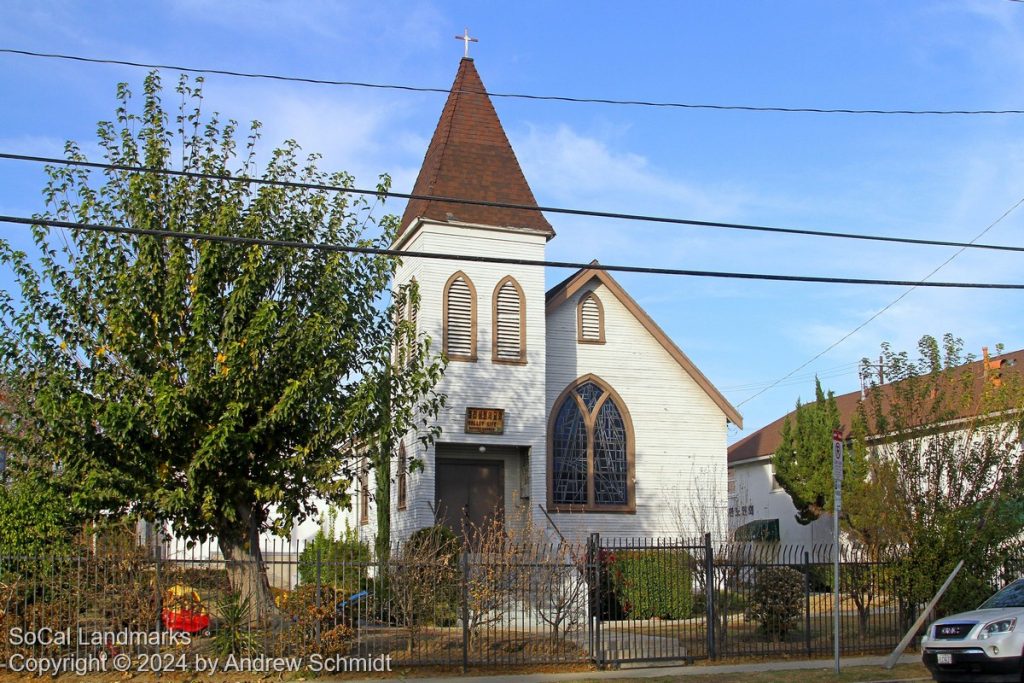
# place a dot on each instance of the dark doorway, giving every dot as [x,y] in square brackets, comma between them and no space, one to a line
[469,494]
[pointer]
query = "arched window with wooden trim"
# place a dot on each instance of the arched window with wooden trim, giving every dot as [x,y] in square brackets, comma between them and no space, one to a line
[590,320]
[509,315]
[460,318]
[402,483]
[591,464]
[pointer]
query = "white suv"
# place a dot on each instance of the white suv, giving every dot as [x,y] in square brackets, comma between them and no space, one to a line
[985,644]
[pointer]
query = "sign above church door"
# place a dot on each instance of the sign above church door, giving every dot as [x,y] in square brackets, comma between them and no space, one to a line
[485,420]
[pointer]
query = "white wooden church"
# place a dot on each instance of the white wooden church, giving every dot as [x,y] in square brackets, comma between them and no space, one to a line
[567,405]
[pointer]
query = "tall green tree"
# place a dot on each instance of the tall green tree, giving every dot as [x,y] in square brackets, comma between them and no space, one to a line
[220,388]
[946,466]
[803,460]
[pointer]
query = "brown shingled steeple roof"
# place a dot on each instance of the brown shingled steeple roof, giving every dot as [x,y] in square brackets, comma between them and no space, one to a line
[469,157]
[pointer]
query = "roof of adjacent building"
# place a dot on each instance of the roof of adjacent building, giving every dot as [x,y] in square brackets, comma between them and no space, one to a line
[766,440]
[565,289]
[469,157]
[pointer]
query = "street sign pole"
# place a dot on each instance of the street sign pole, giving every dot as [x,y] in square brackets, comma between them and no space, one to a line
[837,490]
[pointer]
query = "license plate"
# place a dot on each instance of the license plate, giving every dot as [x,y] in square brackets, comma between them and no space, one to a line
[944,658]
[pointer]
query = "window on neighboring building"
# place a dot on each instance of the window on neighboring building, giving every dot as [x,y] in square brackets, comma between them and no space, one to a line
[591,450]
[764,530]
[460,318]
[509,322]
[402,482]
[590,320]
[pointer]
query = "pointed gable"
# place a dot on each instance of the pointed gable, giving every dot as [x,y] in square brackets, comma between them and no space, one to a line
[469,157]
[565,289]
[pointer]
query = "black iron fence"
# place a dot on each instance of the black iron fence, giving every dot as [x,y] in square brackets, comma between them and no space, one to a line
[607,601]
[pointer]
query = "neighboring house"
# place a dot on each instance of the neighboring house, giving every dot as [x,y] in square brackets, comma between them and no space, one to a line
[569,407]
[761,509]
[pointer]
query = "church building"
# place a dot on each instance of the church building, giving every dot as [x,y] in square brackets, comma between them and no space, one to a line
[568,405]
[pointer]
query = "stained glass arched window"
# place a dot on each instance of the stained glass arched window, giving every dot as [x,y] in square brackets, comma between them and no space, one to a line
[591,450]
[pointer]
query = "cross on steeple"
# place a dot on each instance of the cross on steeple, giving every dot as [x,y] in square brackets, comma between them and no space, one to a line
[467,40]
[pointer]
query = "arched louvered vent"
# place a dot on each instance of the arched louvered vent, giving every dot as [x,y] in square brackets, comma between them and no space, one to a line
[591,319]
[460,319]
[509,337]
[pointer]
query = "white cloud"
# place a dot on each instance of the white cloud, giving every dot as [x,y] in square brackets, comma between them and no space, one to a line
[571,167]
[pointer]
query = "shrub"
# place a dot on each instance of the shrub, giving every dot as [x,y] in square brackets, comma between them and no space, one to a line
[653,583]
[36,518]
[439,542]
[776,602]
[343,561]
[234,635]
[422,582]
[310,612]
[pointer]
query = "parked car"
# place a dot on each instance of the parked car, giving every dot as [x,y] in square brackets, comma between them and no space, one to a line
[985,644]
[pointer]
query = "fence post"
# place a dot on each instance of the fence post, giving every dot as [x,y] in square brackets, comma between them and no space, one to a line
[807,602]
[709,594]
[465,609]
[319,596]
[596,646]
[159,593]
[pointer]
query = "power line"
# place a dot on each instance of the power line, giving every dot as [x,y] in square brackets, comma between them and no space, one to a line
[885,308]
[506,205]
[522,96]
[295,244]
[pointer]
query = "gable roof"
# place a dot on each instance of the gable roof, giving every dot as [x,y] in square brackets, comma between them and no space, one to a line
[563,291]
[766,440]
[469,157]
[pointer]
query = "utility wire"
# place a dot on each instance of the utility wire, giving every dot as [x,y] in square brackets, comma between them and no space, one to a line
[506,205]
[884,308]
[522,96]
[295,244]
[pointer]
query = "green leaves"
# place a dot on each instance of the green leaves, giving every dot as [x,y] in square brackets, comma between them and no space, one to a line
[190,380]
[803,460]
[946,465]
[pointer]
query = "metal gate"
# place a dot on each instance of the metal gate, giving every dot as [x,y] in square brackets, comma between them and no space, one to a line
[649,600]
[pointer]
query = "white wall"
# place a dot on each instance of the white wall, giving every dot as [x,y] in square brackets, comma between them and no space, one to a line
[518,389]
[756,496]
[680,432]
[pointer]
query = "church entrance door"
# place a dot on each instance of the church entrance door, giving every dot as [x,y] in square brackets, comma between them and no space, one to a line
[469,494]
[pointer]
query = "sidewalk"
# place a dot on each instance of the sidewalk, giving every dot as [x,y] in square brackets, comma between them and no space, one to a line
[656,671]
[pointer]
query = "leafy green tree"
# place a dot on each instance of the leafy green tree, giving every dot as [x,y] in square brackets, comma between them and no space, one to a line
[35,518]
[38,514]
[946,466]
[221,388]
[803,460]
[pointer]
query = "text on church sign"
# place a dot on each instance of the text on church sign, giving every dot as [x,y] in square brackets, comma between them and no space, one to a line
[485,420]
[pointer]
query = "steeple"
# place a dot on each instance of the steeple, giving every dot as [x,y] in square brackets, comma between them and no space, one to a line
[469,157]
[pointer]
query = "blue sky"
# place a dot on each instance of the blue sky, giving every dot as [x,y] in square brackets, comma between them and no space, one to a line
[932,177]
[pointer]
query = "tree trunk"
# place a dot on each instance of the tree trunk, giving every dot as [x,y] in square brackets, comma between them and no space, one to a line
[382,544]
[247,573]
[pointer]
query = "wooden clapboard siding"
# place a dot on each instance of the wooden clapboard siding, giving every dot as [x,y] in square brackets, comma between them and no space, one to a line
[680,431]
[516,387]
